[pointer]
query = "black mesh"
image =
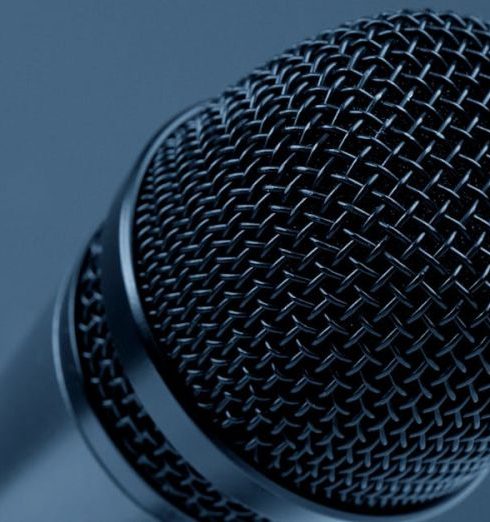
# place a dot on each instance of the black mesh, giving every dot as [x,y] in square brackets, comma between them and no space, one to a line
[124,418]
[312,253]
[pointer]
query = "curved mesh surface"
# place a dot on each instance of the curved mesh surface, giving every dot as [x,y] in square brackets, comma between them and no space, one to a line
[312,253]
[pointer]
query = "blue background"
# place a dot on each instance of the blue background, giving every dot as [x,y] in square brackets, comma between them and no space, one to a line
[83,85]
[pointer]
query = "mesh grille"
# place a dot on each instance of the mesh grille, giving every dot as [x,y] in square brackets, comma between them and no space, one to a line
[122,415]
[312,254]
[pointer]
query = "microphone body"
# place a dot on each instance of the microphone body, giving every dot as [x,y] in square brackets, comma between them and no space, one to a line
[285,315]
[57,462]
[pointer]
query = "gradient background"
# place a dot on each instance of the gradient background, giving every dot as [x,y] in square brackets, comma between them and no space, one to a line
[85,84]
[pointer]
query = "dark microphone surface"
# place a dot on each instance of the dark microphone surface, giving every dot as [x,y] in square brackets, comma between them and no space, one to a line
[299,269]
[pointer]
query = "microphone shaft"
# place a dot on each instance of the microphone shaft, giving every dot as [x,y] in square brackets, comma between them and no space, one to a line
[49,469]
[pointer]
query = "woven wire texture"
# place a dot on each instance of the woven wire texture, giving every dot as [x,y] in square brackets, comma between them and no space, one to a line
[312,254]
[124,418]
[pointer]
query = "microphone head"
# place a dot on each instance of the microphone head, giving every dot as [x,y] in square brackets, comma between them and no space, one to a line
[312,256]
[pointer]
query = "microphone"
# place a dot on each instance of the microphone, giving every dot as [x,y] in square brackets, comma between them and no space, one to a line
[286,314]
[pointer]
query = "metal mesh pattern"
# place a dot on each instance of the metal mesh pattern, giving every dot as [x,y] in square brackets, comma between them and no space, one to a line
[312,254]
[122,415]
